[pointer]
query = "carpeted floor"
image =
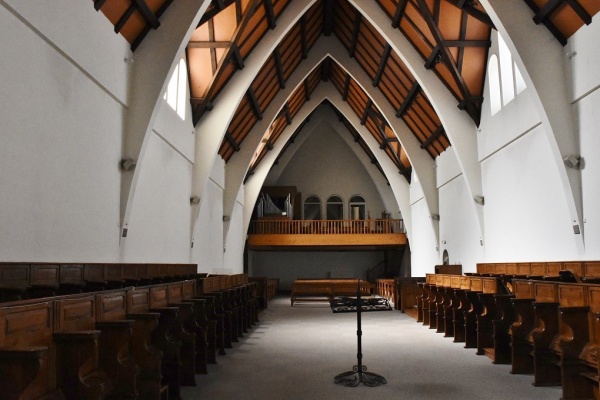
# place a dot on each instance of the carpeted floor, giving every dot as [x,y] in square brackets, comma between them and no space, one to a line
[294,353]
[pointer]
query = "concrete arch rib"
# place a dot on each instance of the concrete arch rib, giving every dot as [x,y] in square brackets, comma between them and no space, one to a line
[329,46]
[460,129]
[150,72]
[534,49]
[327,91]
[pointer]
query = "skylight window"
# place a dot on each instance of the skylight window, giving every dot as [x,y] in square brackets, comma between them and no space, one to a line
[505,79]
[177,89]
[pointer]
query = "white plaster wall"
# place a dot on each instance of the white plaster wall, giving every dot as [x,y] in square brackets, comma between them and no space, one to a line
[458,223]
[582,57]
[60,150]
[159,225]
[289,266]
[589,119]
[324,165]
[208,238]
[424,248]
[526,218]
[85,37]
[233,257]
[586,82]
[178,133]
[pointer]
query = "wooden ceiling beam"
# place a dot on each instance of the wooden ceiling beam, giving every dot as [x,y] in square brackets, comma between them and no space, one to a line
[196,44]
[98,4]
[232,141]
[254,103]
[467,43]
[328,17]
[384,59]
[434,58]
[467,7]
[326,69]
[147,13]
[355,32]
[346,87]
[124,18]
[138,40]
[288,114]
[448,59]
[303,38]
[236,56]
[306,90]
[400,8]
[549,25]
[365,115]
[212,12]
[433,137]
[408,100]
[463,35]
[279,67]
[270,13]
[547,10]
[227,57]
[580,11]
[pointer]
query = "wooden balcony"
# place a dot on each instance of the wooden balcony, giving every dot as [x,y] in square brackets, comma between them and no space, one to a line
[326,234]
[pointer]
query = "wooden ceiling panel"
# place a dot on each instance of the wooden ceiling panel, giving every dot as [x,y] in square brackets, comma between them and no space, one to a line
[563,17]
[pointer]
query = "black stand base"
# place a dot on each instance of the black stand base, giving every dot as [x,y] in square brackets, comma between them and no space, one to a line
[356,376]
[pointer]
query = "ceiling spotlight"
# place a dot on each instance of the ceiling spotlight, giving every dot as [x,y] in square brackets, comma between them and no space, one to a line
[479,200]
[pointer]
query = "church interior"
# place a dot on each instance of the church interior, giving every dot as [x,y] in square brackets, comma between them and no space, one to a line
[192,166]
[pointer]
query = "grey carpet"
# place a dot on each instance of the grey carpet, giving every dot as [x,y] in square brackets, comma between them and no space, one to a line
[294,353]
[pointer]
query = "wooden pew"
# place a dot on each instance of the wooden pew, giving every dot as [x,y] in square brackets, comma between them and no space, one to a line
[573,337]
[520,330]
[326,289]
[493,324]
[591,351]
[475,309]
[163,337]
[407,295]
[26,329]
[441,299]
[458,313]
[116,345]
[79,375]
[183,317]
[546,369]
[196,324]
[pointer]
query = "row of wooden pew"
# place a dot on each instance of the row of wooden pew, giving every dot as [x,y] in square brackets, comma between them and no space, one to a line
[141,342]
[19,281]
[548,325]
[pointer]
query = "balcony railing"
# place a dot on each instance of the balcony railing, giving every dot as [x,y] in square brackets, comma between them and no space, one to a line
[326,227]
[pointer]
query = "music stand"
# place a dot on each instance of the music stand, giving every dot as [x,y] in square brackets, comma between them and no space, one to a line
[358,305]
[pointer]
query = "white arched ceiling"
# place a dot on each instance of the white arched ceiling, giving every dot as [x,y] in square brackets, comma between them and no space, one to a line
[459,127]
[535,49]
[422,164]
[326,91]
[149,78]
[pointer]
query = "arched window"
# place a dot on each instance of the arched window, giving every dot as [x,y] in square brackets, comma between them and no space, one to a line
[312,208]
[506,72]
[494,78]
[357,207]
[335,208]
[505,79]
[176,93]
